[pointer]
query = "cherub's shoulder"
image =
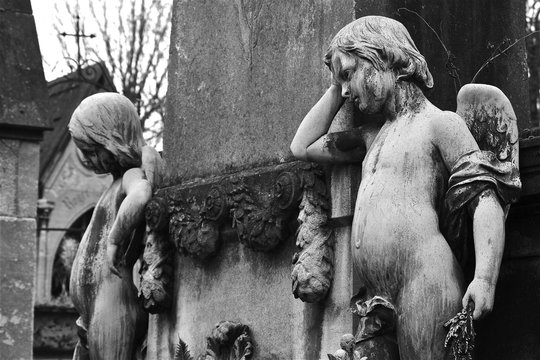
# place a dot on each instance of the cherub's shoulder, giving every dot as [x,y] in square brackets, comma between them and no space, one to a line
[134,178]
[134,173]
[448,123]
[442,118]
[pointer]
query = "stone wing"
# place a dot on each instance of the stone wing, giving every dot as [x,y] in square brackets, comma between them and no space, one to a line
[491,120]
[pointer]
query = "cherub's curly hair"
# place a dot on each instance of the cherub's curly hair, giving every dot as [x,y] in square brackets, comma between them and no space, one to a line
[386,44]
[110,120]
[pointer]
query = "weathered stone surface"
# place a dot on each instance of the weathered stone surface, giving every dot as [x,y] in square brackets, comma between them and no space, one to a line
[239,87]
[248,287]
[471,31]
[17,262]
[23,98]
[19,162]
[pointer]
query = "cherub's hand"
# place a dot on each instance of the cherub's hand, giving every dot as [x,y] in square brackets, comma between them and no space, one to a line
[482,293]
[112,259]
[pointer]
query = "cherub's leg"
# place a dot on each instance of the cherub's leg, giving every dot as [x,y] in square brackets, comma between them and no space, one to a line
[425,304]
[382,347]
[118,321]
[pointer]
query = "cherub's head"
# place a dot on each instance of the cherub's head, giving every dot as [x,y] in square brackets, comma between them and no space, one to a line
[107,130]
[382,43]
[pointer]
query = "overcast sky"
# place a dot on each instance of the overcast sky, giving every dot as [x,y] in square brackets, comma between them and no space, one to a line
[50,43]
[55,65]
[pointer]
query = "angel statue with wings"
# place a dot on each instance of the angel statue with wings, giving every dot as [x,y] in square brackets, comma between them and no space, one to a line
[434,194]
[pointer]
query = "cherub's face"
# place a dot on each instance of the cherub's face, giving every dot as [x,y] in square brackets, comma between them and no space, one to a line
[97,158]
[360,81]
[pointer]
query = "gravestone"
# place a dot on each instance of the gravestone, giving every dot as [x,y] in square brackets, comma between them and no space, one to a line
[22,105]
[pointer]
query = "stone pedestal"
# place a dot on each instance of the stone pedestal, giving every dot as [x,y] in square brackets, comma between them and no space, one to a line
[22,105]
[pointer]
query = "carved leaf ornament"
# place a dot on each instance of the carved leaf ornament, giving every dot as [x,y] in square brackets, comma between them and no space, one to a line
[229,340]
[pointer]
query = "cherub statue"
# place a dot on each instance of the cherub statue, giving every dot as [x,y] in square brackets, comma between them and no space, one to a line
[112,324]
[424,180]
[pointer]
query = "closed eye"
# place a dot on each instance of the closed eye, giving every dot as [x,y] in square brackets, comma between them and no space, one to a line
[346,75]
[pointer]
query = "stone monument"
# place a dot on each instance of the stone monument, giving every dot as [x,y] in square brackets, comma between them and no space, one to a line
[426,187]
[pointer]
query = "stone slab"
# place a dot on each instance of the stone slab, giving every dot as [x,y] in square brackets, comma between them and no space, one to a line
[243,75]
[19,166]
[17,262]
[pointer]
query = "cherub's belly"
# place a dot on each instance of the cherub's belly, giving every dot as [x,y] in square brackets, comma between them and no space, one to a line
[393,239]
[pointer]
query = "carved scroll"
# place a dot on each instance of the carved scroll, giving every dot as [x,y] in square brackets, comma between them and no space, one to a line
[314,264]
[157,268]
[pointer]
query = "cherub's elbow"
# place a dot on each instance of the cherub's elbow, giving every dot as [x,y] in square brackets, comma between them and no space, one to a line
[142,192]
[299,152]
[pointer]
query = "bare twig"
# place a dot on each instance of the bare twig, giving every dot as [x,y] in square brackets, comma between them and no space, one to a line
[453,71]
[498,53]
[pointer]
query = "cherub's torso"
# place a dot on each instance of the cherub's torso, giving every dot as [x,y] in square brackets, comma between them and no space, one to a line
[395,227]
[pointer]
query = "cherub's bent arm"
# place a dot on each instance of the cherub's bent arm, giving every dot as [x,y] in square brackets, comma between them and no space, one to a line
[311,142]
[454,140]
[131,212]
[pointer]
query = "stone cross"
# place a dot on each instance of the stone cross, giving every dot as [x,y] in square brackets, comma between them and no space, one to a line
[78,35]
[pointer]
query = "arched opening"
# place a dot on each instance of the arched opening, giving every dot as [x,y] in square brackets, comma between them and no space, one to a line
[65,255]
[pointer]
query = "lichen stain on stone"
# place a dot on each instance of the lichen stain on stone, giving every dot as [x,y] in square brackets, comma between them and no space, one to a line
[19,284]
[6,338]
[16,320]
[13,110]
[9,341]
[3,321]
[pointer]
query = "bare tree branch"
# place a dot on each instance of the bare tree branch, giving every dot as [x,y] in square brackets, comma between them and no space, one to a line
[132,40]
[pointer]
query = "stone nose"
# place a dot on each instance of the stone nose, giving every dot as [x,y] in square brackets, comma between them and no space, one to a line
[345,90]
